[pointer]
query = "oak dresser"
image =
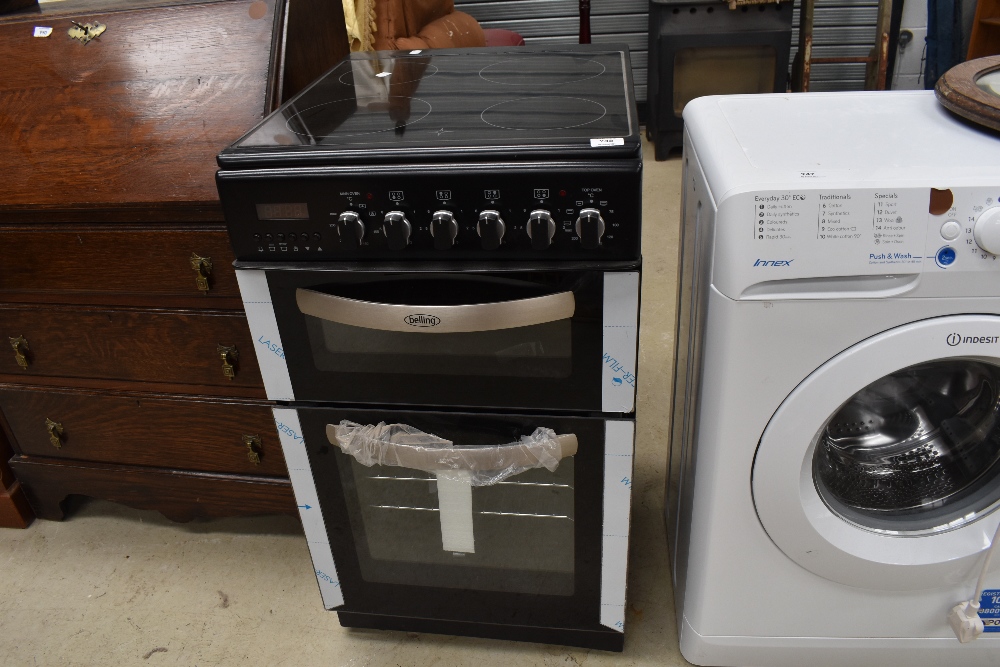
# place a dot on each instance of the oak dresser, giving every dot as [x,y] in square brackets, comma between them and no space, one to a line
[129,371]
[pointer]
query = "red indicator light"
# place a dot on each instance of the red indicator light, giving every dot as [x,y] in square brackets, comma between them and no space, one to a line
[562,193]
[370,196]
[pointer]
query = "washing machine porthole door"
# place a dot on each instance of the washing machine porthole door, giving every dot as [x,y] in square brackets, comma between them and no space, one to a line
[881,469]
[916,451]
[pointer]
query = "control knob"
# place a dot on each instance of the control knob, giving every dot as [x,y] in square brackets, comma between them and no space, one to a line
[444,229]
[590,228]
[987,230]
[350,228]
[541,229]
[490,229]
[396,229]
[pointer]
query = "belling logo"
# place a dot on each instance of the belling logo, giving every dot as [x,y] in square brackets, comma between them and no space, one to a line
[422,320]
[957,339]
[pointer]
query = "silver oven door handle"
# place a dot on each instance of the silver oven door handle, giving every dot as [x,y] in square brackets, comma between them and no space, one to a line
[437,319]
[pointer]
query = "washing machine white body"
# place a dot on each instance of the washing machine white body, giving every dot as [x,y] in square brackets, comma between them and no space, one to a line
[782,319]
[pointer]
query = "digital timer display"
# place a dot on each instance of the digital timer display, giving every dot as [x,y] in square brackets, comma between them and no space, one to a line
[282,212]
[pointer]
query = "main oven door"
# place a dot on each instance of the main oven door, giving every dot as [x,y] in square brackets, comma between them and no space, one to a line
[545,339]
[417,520]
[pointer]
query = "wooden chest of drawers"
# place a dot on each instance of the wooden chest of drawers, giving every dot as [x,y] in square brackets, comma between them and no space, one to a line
[130,374]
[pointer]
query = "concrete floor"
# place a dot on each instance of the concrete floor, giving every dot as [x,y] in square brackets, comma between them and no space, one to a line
[115,586]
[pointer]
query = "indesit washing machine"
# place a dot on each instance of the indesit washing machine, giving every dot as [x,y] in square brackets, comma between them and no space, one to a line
[835,454]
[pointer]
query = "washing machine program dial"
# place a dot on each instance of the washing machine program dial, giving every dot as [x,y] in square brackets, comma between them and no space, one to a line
[987,230]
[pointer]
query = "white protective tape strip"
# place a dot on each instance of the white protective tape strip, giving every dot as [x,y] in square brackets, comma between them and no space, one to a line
[454,489]
[621,341]
[619,437]
[607,141]
[264,329]
[293,446]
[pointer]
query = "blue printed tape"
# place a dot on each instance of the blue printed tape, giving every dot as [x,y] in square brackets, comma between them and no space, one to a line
[989,610]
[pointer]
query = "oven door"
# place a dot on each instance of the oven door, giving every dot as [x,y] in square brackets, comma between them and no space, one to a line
[546,339]
[443,517]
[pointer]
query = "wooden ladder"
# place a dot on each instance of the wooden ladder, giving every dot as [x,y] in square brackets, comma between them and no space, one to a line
[877,59]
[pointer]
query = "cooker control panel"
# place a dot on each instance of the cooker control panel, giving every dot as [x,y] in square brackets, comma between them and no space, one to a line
[536,215]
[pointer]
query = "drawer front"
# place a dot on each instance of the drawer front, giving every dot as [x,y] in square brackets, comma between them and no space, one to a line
[232,437]
[178,348]
[178,495]
[118,260]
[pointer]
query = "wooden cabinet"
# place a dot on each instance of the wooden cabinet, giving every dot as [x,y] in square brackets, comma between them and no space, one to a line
[985,37]
[130,374]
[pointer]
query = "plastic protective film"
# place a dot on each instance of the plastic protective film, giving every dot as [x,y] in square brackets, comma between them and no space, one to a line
[293,446]
[407,447]
[457,469]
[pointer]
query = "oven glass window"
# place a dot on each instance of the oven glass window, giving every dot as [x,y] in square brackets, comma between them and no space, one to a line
[722,70]
[917,451]
[501,328]
[523,532]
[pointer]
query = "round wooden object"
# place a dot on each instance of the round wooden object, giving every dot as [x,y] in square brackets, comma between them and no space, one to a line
[972,90]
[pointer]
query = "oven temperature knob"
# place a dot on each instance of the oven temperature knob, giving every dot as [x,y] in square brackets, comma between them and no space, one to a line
[590,228]
[987,230]
[490,229]
[541,229]
[396,229]
[444,229]
[350,228]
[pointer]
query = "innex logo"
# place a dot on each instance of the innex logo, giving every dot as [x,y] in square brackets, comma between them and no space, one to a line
[958,339]
[773,262]
[422,320]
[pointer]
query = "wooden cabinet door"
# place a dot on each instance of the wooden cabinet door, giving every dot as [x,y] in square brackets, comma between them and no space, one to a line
[170,350]
[137,429]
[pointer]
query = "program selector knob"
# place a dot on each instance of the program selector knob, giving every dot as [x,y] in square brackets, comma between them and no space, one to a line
[541,229]
[350,228]
[490,229]
[987,230]
[396,229]
[590,228]
[444,229]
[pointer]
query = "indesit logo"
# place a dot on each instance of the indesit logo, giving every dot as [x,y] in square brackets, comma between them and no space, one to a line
[422,320]
[958,339]
[773,262]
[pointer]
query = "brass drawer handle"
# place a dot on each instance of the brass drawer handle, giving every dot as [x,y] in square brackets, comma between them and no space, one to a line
[202,270]
[21,348]
[230,355]
[253,448]
[55,430]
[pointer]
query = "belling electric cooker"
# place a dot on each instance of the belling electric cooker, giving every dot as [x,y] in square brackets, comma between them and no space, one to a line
[835,463]
[439,257]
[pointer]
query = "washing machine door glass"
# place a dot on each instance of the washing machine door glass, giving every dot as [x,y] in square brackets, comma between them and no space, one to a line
[916,450]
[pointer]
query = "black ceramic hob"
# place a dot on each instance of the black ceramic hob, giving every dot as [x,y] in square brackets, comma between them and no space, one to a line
[436,104]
